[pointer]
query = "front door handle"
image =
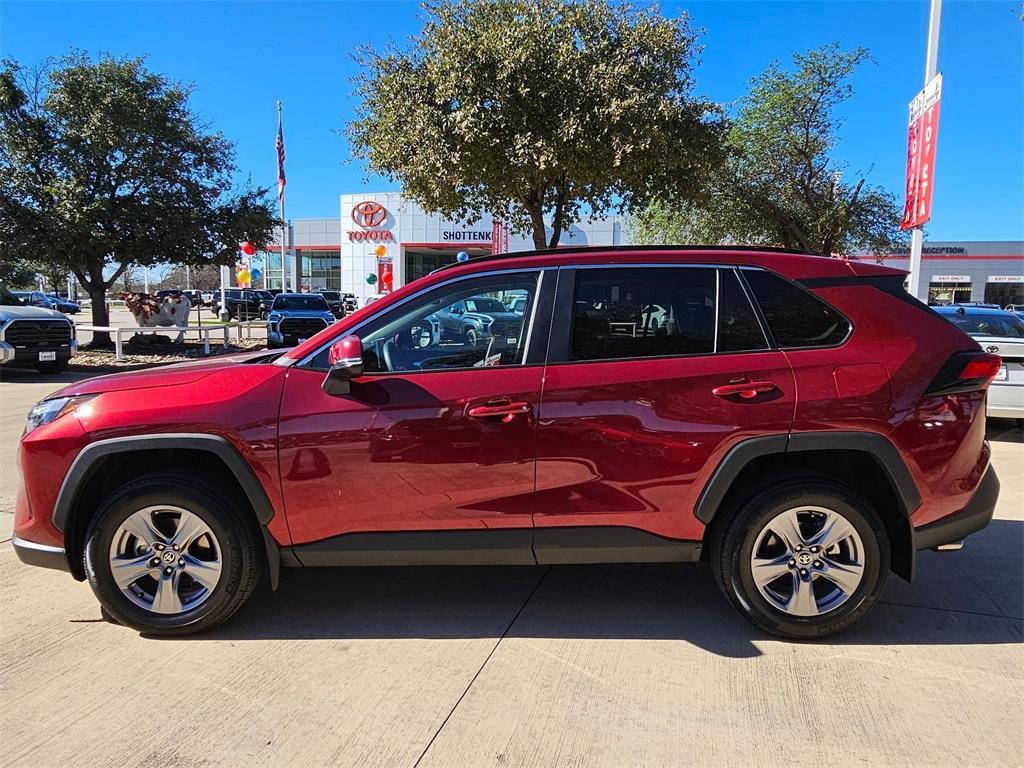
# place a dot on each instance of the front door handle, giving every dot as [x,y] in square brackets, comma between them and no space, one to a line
[746,389]
[505,409]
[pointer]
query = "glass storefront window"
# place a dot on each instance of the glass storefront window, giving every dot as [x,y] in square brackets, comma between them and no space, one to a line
[941,294]
[319,270]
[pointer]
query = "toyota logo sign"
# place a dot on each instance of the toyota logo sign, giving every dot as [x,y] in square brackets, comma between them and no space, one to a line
[993,349]
[369,214]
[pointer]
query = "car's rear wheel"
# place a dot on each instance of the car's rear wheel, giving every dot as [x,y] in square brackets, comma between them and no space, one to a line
[803,558]
[170,554]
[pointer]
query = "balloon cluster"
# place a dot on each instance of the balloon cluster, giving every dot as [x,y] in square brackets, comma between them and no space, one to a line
[244,273]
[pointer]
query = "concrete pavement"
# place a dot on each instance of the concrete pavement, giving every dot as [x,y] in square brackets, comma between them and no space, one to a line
[575,666]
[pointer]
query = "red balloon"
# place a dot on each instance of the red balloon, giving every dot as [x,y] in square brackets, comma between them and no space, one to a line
[248,249]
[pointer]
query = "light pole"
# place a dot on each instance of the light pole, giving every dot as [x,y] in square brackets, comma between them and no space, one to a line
[930,70]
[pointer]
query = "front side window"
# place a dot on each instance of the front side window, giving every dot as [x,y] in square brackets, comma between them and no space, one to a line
[464,324]
[643,312]
[795,317]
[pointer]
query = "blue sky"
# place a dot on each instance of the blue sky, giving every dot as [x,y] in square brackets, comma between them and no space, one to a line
[242,57]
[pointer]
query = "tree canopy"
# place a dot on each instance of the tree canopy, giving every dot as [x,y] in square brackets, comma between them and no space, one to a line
[527,108]
[103,164]
[781,184]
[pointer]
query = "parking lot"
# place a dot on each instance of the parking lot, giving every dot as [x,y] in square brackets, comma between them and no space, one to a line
[568,666]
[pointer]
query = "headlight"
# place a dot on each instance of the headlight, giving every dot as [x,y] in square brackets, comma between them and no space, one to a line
[273,317]
[46,411]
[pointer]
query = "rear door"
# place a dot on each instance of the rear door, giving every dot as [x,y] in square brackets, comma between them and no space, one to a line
[639,406]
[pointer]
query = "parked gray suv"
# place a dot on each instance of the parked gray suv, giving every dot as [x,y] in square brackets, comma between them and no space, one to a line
[43,338]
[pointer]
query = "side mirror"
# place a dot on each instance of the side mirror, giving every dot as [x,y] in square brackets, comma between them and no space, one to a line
[346,360]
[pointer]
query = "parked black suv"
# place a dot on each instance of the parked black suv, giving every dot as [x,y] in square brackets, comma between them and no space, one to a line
[335,301]
[241,303]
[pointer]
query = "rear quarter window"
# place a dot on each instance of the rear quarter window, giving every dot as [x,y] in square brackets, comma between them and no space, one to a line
[795,317]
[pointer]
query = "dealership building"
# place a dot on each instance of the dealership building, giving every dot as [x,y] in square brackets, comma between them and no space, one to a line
[382,241]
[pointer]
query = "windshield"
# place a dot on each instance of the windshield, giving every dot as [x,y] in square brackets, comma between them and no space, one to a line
[8,299]
[477,304]
[988,324]
[311,303]
[330,295]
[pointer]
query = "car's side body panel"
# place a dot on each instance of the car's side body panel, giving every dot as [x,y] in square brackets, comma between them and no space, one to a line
[402,453]
[630,443]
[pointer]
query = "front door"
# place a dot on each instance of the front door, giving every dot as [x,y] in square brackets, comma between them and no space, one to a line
[654,373]
[438,435]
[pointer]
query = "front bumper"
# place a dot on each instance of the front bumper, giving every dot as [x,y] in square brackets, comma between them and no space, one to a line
[10,354]
[971,519]
[42,555]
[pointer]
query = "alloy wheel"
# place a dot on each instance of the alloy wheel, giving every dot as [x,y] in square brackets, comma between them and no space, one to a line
[807,561]
[165,559]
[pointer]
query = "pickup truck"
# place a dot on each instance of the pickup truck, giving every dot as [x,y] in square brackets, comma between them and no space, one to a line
[43,338]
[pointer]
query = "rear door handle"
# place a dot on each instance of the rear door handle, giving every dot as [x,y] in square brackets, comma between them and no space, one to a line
[746,390]
[493,409]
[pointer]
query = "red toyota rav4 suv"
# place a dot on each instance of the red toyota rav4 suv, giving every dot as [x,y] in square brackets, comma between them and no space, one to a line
[799,422]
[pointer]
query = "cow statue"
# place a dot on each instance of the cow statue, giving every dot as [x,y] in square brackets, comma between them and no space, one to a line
[159,312]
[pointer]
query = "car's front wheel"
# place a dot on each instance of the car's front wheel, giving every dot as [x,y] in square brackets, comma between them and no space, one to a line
[171,554]
[804,558]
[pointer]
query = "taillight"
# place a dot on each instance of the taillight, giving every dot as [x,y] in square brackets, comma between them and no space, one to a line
[965,372]
[984,366]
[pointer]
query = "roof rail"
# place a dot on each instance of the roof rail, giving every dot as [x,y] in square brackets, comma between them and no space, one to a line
[570,249]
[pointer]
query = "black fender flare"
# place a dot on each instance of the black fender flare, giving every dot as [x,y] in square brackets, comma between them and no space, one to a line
[871,443]
[85,464]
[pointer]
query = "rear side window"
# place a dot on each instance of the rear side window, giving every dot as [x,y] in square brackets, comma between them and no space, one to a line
[738,328]
[643,312]
[794,316]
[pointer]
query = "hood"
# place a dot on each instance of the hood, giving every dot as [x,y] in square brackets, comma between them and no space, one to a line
[498,316]
[321,314]
[167,376]
[31,313]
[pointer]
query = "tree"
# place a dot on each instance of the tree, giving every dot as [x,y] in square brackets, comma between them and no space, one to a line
[103,165]
[200,278]
[17,273]
[780,185]
[530,107]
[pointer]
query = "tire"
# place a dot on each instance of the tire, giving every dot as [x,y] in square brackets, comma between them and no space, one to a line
[231,539]
[828,608]
[52,366]
[471,337]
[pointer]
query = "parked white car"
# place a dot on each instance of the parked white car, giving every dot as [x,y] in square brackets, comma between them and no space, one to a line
[1001,333]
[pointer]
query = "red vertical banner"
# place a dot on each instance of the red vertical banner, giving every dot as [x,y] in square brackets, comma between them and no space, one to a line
[922,136]
[499,236]
[385,275]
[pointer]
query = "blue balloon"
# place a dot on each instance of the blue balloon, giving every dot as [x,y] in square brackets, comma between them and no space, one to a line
[255,275]
[462,256]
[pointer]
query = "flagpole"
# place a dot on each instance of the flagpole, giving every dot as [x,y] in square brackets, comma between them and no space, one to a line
[284,222]
[930,70]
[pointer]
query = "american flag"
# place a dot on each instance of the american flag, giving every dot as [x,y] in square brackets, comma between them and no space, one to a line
[281,180]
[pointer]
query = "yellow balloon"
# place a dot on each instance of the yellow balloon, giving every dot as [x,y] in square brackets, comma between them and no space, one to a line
[381,250]
[243,276]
